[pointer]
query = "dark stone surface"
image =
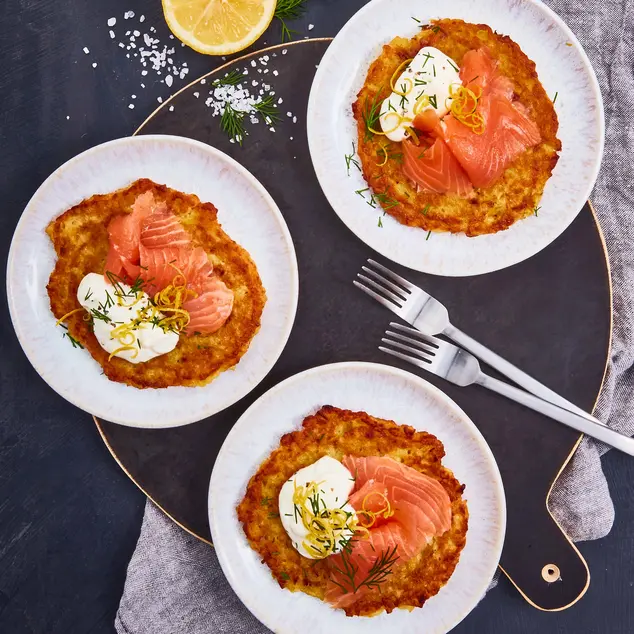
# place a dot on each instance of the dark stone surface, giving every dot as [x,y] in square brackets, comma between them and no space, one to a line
[69,517]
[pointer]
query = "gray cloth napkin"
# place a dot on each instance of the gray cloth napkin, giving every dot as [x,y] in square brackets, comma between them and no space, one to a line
[175,584]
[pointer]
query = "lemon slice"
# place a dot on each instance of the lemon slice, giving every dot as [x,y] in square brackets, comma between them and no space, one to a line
[218,27]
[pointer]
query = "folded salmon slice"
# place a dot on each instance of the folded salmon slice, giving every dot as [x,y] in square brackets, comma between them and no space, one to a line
[162,230]
[151,244]
[210,310]
[434,168]
[508,128]
[124,235]
[421,510]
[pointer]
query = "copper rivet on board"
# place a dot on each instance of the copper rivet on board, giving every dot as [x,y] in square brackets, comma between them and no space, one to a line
[551,573]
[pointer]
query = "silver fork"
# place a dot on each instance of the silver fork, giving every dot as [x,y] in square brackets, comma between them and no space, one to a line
[461,368]
[419,309]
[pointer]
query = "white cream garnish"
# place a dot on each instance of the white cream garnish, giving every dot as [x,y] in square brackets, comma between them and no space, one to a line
[144,340]
[424,84]
[334,484]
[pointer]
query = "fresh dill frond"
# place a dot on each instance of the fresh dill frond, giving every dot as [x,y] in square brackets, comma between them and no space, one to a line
[428,234]
[425,210]
[536,209]
[289,10]
[371,113]
[351,160]
[74,342]
[555,98]
[232,122]
[380,224]
[232,78]
[385,201]
[268,109]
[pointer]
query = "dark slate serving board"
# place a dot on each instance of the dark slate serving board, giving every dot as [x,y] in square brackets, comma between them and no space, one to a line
[551,315]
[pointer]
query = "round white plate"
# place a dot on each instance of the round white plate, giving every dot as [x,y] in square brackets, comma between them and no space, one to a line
[563,69]
[384,392]
[247,213]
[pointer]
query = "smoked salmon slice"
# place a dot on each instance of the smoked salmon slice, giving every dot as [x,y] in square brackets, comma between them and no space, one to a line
[162,230]
[508,128]
[151,244]
[124,234]
[435,168]
[420,509]
[210,310]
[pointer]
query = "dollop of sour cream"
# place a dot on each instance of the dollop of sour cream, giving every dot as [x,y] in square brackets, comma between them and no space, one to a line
[429,74]
[335,483]
[145,340]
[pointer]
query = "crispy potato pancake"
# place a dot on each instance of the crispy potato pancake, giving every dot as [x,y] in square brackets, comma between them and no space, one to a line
[516,194]
[80,238]
[337,433]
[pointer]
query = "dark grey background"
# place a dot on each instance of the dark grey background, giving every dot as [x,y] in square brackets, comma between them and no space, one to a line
[69,518]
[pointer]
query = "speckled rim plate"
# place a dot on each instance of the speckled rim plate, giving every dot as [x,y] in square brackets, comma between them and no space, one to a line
[563,68]
[385,392]
[246,212]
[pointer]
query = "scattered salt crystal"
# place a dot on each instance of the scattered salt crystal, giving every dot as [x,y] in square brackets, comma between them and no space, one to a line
[131,106]
[169,80]
[67,117]
[144,73]
[283,51]
[196,94]
[203,81]
[159,99]
[252,62]
[294,119]
[133,96]
[266,70]
[280,100]
[128,14]
[112,21]
[171,108]
[272,129]
[142,18]
[275,73]
[112,35]
[254,83]
[86,50]
[291,138]
[94,64]
[136,33]
[311,27]
[121,45]
[289,114]
[142,85]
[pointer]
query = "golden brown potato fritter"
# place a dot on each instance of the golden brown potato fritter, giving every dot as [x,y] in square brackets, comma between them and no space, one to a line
[516,194]
[338,433]
[80,238]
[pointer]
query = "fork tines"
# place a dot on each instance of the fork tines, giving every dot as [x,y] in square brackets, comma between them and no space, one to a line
[383,285]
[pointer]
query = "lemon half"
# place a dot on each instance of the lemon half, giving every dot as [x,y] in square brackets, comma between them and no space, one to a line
[218,27]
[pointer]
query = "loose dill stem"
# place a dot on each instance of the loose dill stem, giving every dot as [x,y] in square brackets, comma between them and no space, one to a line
[232,78]
[232,122]
[289,10]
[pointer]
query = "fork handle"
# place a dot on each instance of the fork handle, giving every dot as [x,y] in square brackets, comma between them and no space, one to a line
[580,423]
[514,373]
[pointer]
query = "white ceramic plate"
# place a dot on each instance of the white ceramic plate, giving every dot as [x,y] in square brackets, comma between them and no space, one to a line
[384,392]
[247,213]
[563,68]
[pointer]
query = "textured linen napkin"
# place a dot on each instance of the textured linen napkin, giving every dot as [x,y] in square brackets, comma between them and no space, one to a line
[175,584]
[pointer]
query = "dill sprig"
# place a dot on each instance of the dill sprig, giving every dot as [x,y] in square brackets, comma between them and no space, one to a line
[536,209]
[289,10]
[232,78]
[74,342]
[268,109]
[371,113]
[378,573]
[232,122]
[350,160]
